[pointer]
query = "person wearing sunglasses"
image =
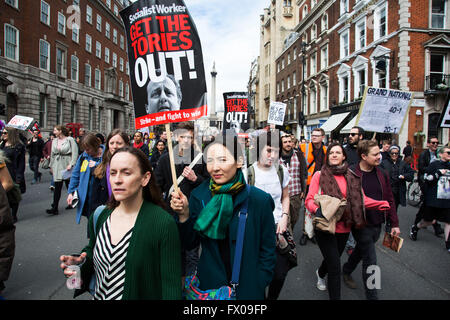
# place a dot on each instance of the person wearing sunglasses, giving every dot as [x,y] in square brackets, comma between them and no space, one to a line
[437,194]
[425,159]
[399,172]
[356,134]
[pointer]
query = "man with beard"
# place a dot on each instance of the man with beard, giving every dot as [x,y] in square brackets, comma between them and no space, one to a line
[294,160]
[356,134]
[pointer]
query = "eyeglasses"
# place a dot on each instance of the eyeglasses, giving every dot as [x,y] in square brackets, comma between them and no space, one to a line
[434,142]
[353,134]
[187,137]
[4,132]
[394,153]
[315,136]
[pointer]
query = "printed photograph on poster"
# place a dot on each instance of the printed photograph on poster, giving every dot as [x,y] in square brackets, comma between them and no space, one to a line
[384,110]
[277,111]
[167,75]
[236,115]
[20,122]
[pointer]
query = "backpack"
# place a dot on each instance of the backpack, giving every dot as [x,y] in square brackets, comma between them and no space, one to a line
[251,175]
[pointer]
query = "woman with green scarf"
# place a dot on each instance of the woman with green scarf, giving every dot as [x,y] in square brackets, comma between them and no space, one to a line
[210,217]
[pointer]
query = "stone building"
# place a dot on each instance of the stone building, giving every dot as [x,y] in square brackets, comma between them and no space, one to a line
[67,63]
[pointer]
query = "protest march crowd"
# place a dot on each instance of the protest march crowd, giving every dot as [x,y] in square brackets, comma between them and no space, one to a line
[224,230]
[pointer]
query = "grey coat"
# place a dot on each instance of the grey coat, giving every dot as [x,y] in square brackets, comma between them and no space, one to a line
[60,159]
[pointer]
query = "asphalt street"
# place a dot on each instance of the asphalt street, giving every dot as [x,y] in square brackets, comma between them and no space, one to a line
[421,270]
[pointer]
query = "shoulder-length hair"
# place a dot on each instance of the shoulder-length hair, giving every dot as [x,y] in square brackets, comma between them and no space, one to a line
[100,171]
[13,136]
[151,191]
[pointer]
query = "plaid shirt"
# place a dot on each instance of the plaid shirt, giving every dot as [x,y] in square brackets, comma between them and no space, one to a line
[295,185]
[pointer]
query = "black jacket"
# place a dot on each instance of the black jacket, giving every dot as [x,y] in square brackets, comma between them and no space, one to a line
[35,147]
[431,186]
[398,186]
[352,155]
[16,163]
[424,162]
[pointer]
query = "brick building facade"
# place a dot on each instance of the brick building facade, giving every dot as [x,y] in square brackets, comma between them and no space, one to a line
[67,62]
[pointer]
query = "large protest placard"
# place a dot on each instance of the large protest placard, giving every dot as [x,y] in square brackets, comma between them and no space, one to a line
[277,111]
[236,115]
[166,63]
[383,110]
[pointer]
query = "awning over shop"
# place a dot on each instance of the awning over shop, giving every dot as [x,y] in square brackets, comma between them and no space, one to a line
[349,125]
[334,121]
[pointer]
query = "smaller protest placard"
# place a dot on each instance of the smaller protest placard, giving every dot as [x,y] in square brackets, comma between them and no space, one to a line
[444,120]
[236,115]
[384,110]
[276,113]
[20,122]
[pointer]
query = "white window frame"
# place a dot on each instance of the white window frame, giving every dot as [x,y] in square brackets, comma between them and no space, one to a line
[444,15]
[324,57]
[121,64]
[99,23]
[63,72]
[43,102]
[48,13]
[380,51]
[114,60]
[324,22]
[360,64]
[377,22]
[97,79]
[108,3]
[64,23]
[344,7]
[88,46]
[359,27]
[107,30]
[312,98]
[75,33]
[41,41]
[121,93]
[342,45]
[115,36]
[116,10]
[122,42]
[344,72]
[324,98]
[88,14]
[313,32]
[107,55]
[76,78]
[17,44]
[15,3]
[305,11]
[313,64]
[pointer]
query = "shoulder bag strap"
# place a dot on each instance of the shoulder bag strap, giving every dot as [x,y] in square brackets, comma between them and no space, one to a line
[239,242]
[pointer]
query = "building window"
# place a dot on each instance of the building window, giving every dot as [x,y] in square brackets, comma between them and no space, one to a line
[305,11]
[361,82]
[380,22]
[59,110]
[278,87]
[313,32]
[344,6]
[323,96]
[99,22]
[288,83]
[87,75]
[313,66]
[61,23]
[106,55]
[313,100]
[91,117]
[89,14]
[324,57]
[42,110]
[343,75]
[98,49]
[73,111]
[294,54]
[360,35]
[344,44]
[11,42]
[122,42]
[121,88]
[60,62]
[97,79]
[75,33]
[74,68]
[13,3]
[88,43]
[438,13]
[294,78]
[108,3]
[127,92]
[324,22]
[116,10]
[114,60]
[344,89]
[115,36]
[44,55]
[45,12]
[437,70]
[107,30]
[121,64]
[282,85]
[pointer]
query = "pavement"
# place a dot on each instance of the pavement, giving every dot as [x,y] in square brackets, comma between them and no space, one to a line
[420,271]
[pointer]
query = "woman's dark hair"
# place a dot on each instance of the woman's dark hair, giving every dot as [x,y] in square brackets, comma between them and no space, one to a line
[271,139]
[230,142]
[159,142]
[332,145]
[100,171]
[151,191]
[90,140]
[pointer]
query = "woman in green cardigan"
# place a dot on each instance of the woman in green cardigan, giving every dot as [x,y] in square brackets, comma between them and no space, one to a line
[136,251]
[210,217]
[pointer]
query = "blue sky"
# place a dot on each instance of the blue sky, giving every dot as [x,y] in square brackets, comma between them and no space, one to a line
[229,33]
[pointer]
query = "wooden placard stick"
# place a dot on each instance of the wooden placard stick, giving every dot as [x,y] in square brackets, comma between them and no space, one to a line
[172,162]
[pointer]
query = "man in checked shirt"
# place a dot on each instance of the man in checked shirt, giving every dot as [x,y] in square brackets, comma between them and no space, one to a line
[294,160]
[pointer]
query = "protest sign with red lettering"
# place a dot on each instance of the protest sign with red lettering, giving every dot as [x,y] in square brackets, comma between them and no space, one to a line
[166,63]
[236,115]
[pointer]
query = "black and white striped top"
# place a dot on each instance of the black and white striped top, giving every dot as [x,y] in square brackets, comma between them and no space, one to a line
[109,263]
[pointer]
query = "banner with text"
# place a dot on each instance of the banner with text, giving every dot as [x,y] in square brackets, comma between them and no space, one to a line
[166,63]
[276,113]
[236,115]
[384,110]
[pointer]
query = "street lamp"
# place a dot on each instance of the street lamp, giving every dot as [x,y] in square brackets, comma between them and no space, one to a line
[302,114]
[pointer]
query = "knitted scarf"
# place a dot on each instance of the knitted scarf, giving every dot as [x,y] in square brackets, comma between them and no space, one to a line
[354,211]
[213,220]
